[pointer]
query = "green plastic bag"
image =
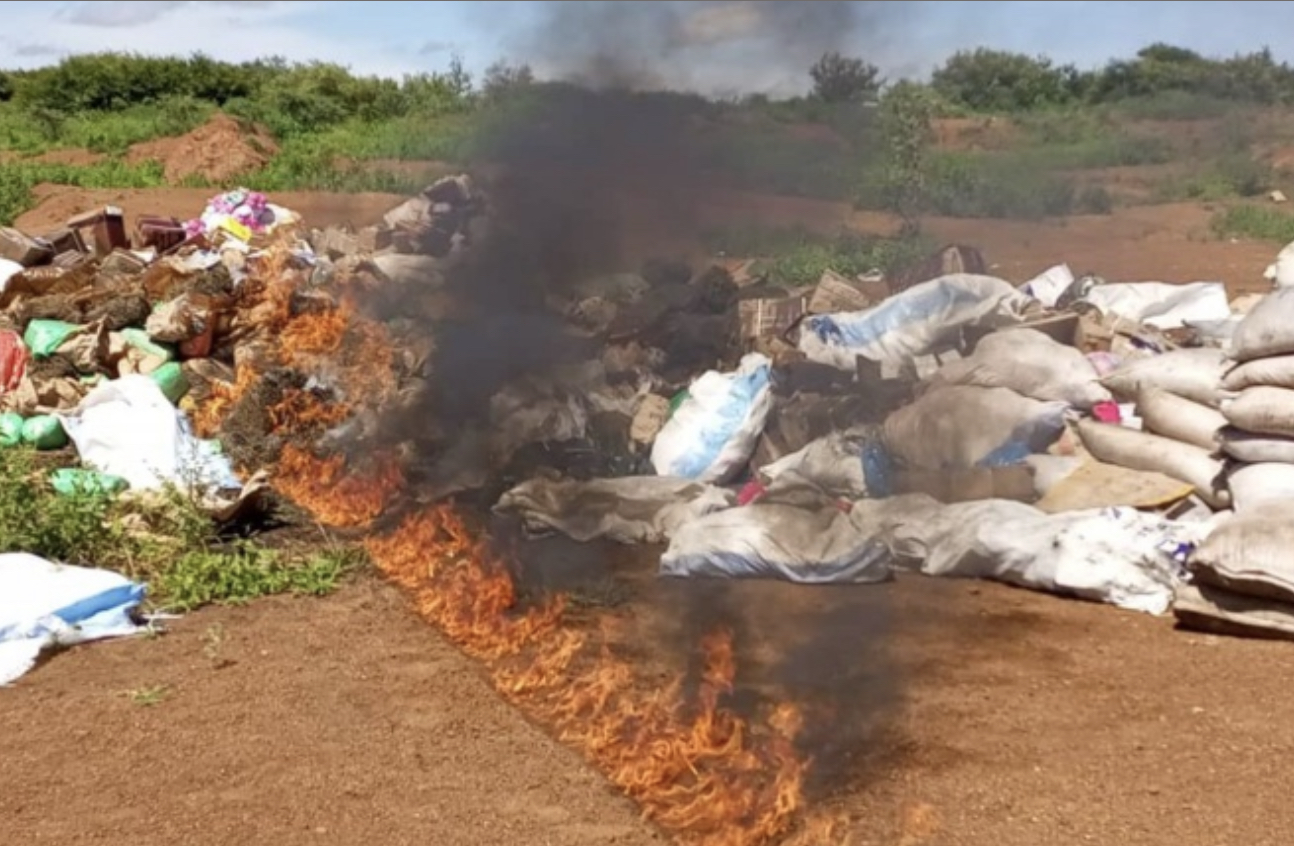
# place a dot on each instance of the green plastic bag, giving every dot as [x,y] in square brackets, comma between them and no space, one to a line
[139,339]
[44,337]
[70,480]
[170,378]
[10,429]
[44,432]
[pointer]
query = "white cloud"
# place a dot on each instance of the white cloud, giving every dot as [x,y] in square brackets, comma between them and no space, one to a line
[224,29]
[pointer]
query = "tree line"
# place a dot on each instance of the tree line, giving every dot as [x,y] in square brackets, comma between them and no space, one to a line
[292,98]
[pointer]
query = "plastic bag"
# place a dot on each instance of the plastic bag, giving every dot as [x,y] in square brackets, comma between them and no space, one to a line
[1194,373]
[171,379]
[139,339]
[712,434]
[10,429]
[72,480]
[958,426]
[1030,363]
[1268,328]
[44,432]
[911,323]
[44,337]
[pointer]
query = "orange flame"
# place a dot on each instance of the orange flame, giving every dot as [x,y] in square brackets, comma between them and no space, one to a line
[336,496]
[695,767]
[706,775]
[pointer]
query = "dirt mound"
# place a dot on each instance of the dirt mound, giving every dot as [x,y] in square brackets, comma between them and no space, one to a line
[219,150]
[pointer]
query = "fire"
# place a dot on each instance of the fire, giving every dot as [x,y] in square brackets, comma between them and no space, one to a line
[700,771]
[334,494]
[315,333]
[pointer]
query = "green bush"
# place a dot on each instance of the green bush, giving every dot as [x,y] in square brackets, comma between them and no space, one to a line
[1257,222]
[996,186]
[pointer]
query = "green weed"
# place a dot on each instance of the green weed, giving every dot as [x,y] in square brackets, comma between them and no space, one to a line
[147,697]
[1256,222]
[166,541]
[797,256]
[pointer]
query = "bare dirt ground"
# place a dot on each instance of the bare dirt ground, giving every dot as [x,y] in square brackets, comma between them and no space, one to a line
[971,713]
[59,202]
[1008,719]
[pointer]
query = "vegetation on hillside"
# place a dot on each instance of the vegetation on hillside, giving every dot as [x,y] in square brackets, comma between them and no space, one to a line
[1032,138]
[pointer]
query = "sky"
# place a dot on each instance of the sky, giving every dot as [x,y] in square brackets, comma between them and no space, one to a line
[715,47]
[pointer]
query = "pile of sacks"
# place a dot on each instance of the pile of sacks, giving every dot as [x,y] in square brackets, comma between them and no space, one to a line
[936,430]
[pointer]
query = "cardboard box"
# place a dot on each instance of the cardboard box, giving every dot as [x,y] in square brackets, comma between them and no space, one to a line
[24,249]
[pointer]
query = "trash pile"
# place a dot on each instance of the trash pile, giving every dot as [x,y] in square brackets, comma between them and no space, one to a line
[160,358]
[1130,443]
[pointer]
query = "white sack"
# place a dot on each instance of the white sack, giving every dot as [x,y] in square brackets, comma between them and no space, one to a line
[1115,555]
[1281,272]
[1030,363]
[1161,305]
[1262,410]
[1268,328]
[1256,449]
[44,604]
[8,270]
[1135,450]
[1275,372]
[959,426]
[1178,418]
[834,464]
[411,269]
[808,544]
[1047,286]
[636,509]
[716,428]
[1194,373]
[128,428]
[1254,484]
[1249,554]
[911,323]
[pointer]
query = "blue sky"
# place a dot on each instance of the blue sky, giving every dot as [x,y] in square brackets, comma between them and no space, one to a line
[713,46]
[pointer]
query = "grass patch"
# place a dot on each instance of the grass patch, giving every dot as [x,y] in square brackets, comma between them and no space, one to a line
[170,544]
[1236,174]
[1257,222]
[32,131]
[1175,106]
[796,256]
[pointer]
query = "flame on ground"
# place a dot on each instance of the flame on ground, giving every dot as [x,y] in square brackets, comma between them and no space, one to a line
[336,495]
[695,767]
[701,772]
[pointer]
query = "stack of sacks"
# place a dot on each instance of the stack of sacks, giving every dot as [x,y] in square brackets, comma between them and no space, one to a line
[1177,395]
[1242,576]
[1260,437]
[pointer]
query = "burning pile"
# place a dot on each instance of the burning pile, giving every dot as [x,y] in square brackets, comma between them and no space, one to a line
[309,357]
